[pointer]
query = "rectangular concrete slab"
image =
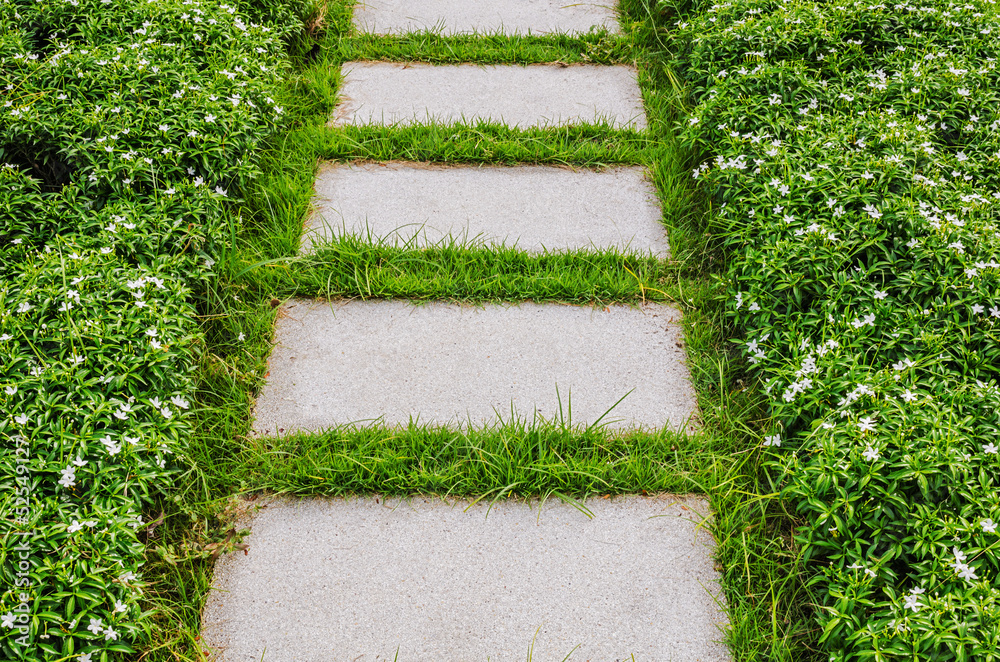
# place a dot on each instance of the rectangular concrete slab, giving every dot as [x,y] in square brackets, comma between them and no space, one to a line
[497,16]
[431,581]
[357,362]
[517,96]
[535,208]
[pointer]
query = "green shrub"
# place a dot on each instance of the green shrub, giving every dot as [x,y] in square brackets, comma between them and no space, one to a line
[124,128]
[857,181]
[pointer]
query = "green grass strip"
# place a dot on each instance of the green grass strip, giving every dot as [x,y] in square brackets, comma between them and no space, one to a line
[480,142]
[594,48]
[518,458]
[353,268]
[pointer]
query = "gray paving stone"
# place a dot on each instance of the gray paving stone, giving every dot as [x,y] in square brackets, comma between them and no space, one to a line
[534,208]
[338,581]
[518,96]
[497,16]
[342,363]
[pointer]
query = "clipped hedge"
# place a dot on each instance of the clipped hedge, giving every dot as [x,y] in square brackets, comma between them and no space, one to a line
[856,181]
[124,128]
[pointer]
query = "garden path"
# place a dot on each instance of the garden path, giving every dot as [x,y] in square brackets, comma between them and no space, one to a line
[449,580]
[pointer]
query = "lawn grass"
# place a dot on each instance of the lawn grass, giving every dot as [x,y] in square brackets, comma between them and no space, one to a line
[517,458]
[766,601]
[591,146]
[353,268]
[599,47]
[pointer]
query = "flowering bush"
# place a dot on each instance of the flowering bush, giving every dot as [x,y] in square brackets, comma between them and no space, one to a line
[124,126]
[857,181]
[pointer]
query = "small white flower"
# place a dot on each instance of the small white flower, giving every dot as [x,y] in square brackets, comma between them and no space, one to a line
[68,479]
[989,526]
[85,657]
[773,440]
[990,448]
[243,337]
[221,191]
[8,619]
[873,212]
[95,625]
[866,424]
[180,402]
[126,577]
[870,454]
[112,447]
[966,571]
[911,602]
[110,634]
[75,526]
[166,412]
[21,419]
[908,396]
[120,607]
[880,295]
[10,390]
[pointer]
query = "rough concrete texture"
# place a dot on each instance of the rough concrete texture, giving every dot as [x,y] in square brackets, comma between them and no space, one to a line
[518,96]
[355,362]
[503,16]
[340,581]
[534,208]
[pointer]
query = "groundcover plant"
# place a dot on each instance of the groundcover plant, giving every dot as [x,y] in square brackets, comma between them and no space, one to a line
[856,181]
[124,129]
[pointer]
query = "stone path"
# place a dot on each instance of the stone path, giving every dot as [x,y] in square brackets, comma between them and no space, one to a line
[335,580]
[518,96]
[449,364]
[534,208]
[365,580]
[465,16]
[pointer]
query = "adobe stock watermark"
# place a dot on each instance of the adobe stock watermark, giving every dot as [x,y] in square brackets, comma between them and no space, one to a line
[20,555]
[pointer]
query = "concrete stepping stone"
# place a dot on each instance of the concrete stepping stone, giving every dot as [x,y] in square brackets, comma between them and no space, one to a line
[518,96]
[535,208]
[462,16]
[341,363]
[370,579]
